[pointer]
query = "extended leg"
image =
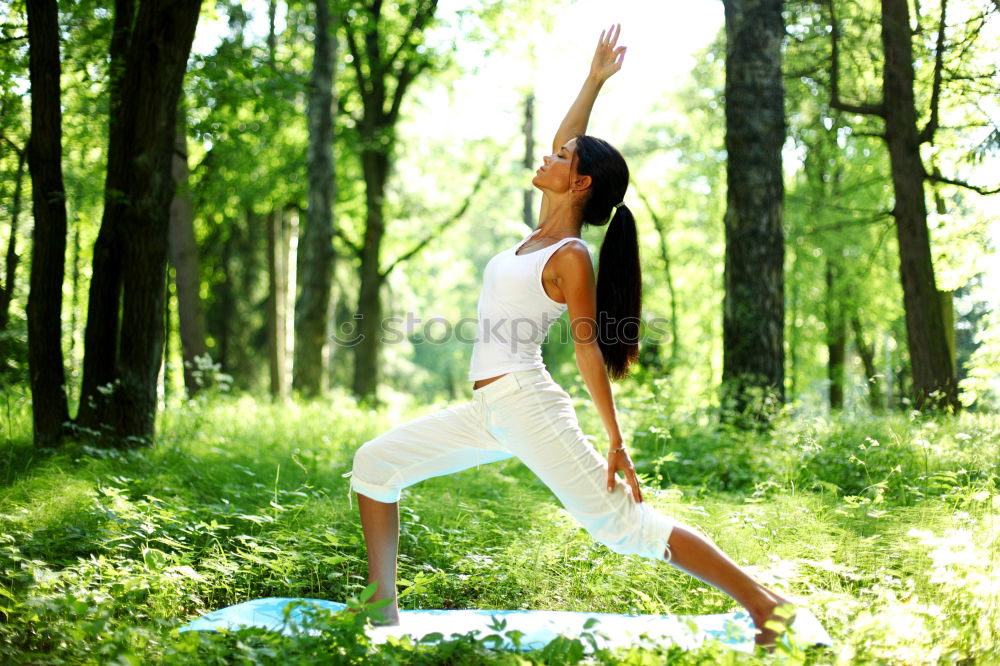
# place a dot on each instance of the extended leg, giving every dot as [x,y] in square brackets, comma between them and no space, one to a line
[701,558]
[380,522]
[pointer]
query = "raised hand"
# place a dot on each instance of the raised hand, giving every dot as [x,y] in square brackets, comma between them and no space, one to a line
[608,57]
[619,461]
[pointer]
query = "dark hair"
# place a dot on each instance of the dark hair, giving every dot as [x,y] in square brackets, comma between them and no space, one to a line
[619,279]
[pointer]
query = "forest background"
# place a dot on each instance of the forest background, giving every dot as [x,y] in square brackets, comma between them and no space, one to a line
[336,168]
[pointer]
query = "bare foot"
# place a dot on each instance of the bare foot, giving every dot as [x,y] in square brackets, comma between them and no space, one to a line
[775,610]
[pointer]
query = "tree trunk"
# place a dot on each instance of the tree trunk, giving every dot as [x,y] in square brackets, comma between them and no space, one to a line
[836,340]
[184,257]
[251,340]
[48,254]
[793,333]
[376,167]
[312,309]
[167,328]
[277,289]
[867,354]
[122,361]
[383,76]
[933,373]
[753,320]
[668,274]
[74,309]
[226,298]
[10,267]
[529,158]
[948,317]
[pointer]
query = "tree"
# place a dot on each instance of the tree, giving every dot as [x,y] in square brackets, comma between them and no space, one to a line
[184,257]
[123,343]
[931,361]
[754,307]
[315,258]
[387,56]
[12,258]
[50,410]
[528,211]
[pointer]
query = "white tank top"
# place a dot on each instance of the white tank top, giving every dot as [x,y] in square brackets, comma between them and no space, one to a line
[514,312]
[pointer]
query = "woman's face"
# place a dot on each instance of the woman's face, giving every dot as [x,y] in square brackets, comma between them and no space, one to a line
[558,171]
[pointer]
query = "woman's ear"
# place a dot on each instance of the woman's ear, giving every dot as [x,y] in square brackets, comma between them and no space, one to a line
[581,183]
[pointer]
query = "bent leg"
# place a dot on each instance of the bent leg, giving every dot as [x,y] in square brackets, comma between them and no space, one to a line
[539,425]
[435,444]
[440,443]
[541,428]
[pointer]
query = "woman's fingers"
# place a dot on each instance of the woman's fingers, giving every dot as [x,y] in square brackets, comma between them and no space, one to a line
[609,37]
[634,481]
[611,476]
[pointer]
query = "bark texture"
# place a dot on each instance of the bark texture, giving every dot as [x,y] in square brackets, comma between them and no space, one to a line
[122,357]
[934,384]
[754,306]
[315,270]
[933,372]
[47,374]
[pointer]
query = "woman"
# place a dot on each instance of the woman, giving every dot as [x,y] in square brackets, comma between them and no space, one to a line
[517,408]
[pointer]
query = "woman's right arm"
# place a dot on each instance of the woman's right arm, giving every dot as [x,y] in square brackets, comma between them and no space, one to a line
[607,60]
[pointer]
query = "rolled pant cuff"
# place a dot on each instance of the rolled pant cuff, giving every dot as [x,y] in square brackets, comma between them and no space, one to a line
[375,492]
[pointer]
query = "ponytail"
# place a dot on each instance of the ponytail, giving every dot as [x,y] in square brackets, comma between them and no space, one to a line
[619,279]
[619,294]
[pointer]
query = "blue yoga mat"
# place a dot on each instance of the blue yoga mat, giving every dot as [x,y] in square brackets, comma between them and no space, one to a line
[538,627]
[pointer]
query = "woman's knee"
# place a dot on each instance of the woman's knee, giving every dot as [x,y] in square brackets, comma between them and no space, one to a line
[644,532]
[373,475]
[369,461]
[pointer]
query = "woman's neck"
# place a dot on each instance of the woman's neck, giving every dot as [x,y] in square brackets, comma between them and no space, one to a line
[561,219]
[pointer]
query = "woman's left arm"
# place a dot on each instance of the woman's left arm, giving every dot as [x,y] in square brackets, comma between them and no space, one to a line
[574,275]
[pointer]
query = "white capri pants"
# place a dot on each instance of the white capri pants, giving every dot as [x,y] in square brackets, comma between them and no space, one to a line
[526,414]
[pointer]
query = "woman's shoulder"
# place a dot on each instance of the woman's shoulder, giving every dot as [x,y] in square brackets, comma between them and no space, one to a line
[572,255]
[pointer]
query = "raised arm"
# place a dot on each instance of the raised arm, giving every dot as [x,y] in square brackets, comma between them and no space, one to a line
[608,58]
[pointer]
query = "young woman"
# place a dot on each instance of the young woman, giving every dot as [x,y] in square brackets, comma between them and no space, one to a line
[518,410]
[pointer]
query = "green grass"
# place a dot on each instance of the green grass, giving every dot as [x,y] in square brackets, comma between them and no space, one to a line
[886,527]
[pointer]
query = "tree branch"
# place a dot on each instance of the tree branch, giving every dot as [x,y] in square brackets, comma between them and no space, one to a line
[376,68]
[840,226]
[417,23]
[406,77]
[352,46]
[412,66]
[927,135]
[441,227]
[13,146]
[835,101]
[938,178]
[356,248]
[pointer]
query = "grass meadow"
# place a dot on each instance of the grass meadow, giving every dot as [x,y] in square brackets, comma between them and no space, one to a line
[885,526]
